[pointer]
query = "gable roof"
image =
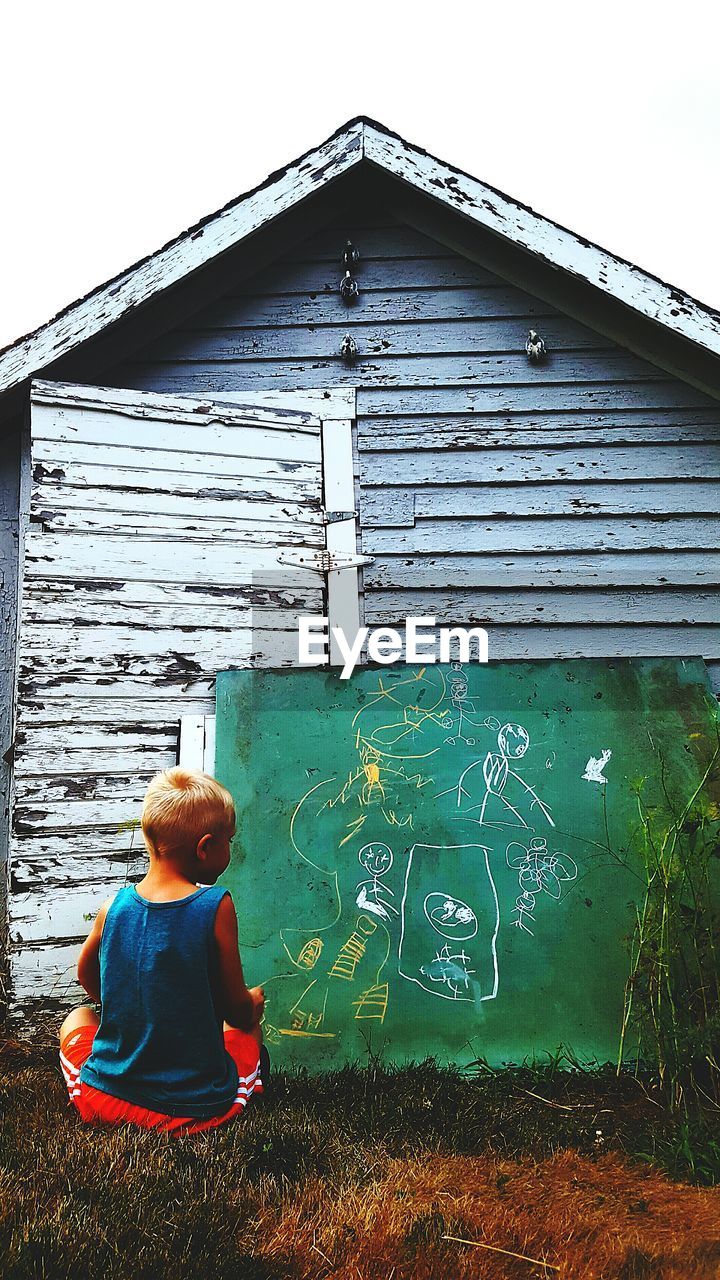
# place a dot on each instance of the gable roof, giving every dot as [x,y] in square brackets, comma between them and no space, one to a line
[361,140]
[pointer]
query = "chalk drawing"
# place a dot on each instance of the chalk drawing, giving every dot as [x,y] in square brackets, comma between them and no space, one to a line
[458,689]
[373,895]
[450,970]
[352,951]
[539,871]
[450,917]
[373,1002]
[310,954]
[594,768]
[495,808]
[451,974]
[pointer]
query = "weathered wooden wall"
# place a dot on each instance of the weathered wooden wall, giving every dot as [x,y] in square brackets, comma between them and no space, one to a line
[573,507]
[149,565]
[9,489]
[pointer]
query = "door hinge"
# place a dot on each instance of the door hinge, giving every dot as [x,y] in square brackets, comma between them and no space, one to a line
[322,561]
[332,517]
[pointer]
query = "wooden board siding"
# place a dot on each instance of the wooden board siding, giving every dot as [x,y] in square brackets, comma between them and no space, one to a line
[9,490]
[150,563]
[574,507]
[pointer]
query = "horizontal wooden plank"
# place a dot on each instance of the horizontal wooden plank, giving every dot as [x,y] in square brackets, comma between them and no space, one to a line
[64,756]
[392,239]
[80,655]
[64,915]
[441,270]
[497,431]
[71,555]
[85,608]
[172,508]
[391,506]
[85,593]
[59,460]
[45,977]
[547,569]
[456,431]
[131,650]
[107,476]
[614,641]
[55,814]
[119,733]
[543,607]
[474,334]
[225,434]
[118,613]
[79,816]
[376,306]
[115,788]
[485,372]
[41,862]
[279,530]
[72,398]
[387,238]
[636,533]
[153,697]
[375,401]
[512,466]
[419,386]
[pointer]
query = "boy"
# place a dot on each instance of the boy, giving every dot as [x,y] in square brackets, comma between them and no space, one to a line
[162,957]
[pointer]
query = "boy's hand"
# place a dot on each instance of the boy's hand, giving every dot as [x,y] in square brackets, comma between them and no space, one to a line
[258,999]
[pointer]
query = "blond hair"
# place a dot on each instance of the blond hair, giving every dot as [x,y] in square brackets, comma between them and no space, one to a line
[181,806]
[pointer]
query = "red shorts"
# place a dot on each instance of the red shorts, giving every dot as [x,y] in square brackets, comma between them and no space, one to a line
[96,1107]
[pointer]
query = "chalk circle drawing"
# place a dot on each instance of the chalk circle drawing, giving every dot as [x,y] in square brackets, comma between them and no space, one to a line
[377,858]
[450,917]
[513,741]
[594,768]
[539,871]
[451,971]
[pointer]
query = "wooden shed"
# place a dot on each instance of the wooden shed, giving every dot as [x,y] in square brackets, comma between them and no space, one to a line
[194,454]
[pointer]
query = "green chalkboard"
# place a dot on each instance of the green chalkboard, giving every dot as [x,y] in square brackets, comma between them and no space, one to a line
[443,861]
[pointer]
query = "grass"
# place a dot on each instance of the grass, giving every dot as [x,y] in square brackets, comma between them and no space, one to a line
[364,1174]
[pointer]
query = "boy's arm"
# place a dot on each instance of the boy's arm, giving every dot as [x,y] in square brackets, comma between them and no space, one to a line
[88,965]
[240,1006]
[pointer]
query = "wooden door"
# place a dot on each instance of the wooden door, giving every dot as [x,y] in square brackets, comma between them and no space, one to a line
[168,537]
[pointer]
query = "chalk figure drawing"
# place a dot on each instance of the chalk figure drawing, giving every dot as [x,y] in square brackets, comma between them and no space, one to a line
[539,871]
[429,913]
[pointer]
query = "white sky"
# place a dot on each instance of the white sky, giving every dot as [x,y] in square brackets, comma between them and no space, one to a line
[123,123]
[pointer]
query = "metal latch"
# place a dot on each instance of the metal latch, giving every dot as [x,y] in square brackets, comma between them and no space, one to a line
[322,561]
[332,517]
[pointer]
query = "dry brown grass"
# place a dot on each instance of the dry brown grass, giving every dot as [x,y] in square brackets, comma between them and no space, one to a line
[358,1177]
[591,1219]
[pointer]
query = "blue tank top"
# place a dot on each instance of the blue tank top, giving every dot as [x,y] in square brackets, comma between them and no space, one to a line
[160,1041]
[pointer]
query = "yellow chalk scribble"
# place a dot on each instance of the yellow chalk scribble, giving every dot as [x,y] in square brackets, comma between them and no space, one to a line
[310,954]
[373,1003]
[352,951]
